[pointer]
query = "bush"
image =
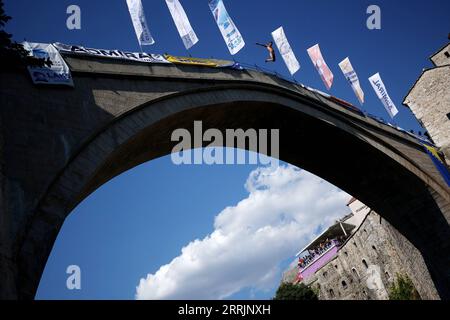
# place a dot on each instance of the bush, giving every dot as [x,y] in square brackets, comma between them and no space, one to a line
[403,289]
[289,291]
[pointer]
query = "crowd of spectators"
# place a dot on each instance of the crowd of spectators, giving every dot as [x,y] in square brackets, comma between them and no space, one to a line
[304,261]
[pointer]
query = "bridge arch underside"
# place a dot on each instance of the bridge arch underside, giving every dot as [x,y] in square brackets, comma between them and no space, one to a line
[330,147]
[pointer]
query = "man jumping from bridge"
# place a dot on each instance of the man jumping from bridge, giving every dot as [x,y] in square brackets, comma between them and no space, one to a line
[269,47]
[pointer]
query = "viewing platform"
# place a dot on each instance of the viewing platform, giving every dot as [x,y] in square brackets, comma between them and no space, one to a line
[320,260]
[322,249]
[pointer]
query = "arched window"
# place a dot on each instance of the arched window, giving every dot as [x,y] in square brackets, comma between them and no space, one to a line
[374,248]
[331,293]
[355,273]
[344,284]
[365,263]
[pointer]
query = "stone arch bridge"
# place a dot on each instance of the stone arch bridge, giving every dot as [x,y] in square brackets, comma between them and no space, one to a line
[57,145]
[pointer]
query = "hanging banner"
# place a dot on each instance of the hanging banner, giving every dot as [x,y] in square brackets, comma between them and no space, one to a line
[352,78]
[229,31]
[380,90]
[139,22]
[115,54]
[56,74]
[285,50]
[212,63]
[321,66]
[182,23]
[438,162]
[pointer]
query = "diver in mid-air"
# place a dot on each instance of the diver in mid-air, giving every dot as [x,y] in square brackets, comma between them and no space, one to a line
[269,47]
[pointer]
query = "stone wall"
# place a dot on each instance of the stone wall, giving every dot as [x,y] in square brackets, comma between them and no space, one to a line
[429,100]
[442,57]
[367,265]
[443,205]
[60,144]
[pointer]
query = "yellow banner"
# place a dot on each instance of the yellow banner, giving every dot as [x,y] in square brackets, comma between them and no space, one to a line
[213,63]
[434,152]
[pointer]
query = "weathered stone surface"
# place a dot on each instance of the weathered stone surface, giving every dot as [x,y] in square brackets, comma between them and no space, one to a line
[429,100]
[384,250]
[442,57]
[60,144]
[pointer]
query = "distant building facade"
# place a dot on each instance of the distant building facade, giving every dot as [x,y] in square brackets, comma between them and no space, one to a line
[429,100]
[363,262]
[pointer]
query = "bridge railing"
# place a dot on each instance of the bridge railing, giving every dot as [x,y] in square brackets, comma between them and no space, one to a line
[267,71]
[255,67]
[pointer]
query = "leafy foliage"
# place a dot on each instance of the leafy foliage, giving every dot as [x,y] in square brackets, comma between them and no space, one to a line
[13,54]
[289,291]
[403,289]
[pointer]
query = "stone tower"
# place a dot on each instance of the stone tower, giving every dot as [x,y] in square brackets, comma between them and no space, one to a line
[429,100]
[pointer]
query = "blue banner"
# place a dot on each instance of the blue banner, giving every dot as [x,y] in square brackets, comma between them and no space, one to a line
[58,73]
[438,162]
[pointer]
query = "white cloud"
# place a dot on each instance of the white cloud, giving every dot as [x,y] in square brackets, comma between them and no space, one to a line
[284,206]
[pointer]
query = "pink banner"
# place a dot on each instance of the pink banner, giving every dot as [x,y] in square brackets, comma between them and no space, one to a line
[321,66]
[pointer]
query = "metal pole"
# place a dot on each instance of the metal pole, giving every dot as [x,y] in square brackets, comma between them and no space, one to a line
[343,228]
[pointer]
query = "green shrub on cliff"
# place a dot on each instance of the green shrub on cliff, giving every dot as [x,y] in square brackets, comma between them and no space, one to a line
[289,291]
[403,289]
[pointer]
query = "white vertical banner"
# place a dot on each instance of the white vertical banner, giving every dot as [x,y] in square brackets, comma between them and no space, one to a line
[380,90]
[139,22]
[182,23]
[352,78]
[321,66]
[285,50]
[230,32]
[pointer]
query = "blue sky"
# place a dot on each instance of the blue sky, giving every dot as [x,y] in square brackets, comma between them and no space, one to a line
[140,221]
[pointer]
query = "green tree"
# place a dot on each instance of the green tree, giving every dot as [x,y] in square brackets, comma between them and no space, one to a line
[13,54]
[289,291]
[403,289]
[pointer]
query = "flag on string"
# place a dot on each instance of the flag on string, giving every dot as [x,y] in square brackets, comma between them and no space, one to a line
[352,78]
[139,22]
[230,32]
[320,65]
[380,90]
[182,23]
[285,50]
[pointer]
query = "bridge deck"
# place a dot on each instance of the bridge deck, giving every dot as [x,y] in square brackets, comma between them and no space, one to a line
[396,142]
